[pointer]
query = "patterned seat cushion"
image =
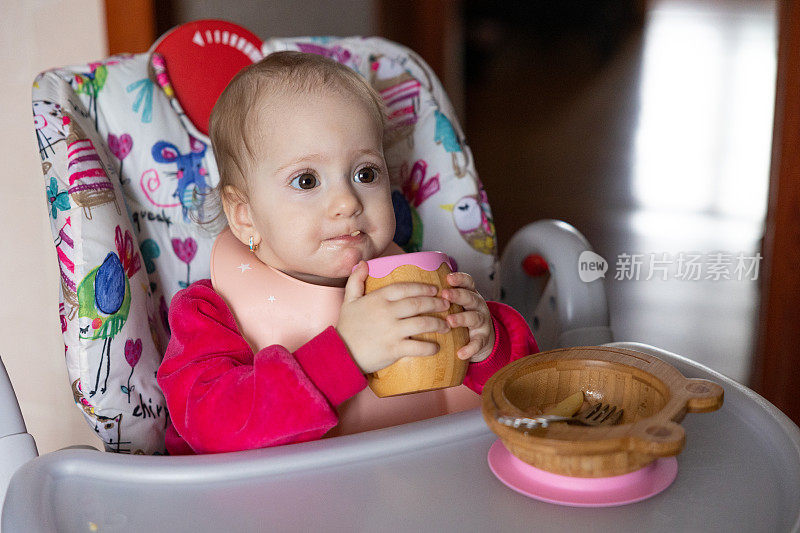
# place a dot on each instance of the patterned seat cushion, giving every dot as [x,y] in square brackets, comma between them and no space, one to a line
[125,169]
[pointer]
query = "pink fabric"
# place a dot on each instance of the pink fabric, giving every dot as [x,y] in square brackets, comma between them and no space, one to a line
[223,397]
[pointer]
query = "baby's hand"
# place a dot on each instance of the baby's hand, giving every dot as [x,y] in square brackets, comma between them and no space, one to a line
[475,317]
[376,327]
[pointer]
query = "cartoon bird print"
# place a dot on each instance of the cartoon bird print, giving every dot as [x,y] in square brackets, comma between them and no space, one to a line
[104,299]
[473,218]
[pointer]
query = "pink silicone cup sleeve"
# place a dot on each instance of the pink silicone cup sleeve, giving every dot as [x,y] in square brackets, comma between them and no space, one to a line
[383,266]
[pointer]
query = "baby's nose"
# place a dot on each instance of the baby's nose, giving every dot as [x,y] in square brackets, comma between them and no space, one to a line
[345,203]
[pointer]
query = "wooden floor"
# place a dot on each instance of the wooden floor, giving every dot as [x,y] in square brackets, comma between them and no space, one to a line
[655,144]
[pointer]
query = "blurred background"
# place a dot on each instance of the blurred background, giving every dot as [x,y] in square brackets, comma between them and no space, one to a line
[645,124]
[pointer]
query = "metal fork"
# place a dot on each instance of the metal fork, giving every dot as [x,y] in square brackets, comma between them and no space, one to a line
[600,414]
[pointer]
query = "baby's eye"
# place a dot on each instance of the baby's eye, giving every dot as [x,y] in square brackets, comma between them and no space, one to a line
[304,181]
[366,175]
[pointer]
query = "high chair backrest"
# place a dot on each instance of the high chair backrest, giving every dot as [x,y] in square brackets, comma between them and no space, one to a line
[125,166]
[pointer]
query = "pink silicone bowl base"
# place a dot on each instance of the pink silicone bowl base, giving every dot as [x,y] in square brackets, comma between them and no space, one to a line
[581,492]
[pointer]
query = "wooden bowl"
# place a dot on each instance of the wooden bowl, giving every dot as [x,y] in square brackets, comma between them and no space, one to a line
[655,396]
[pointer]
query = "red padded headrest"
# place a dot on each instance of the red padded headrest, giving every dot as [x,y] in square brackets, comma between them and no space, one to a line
[202,57]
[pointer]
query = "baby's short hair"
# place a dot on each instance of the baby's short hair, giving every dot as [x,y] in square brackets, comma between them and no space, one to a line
[233,122]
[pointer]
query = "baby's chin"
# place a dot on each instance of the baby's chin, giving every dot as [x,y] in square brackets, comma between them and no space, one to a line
[347,259]
[330,275]
[344,270]
[339,263]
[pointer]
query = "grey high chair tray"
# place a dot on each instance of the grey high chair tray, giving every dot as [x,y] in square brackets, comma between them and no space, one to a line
[740,471]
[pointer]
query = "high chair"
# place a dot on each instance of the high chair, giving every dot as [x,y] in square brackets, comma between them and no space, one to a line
[126,162]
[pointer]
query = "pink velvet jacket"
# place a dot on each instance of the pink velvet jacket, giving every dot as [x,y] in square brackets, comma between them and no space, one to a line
[223,397]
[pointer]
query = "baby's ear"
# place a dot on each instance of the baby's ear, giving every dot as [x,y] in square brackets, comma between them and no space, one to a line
[237,211]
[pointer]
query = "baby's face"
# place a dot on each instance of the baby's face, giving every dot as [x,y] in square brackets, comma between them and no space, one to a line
[319,194]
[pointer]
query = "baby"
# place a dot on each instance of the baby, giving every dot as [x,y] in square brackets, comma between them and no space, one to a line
[274,348]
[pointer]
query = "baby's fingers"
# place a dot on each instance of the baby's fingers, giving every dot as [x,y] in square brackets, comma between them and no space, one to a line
[461,279]
[475,345]
[415,348]
[467,319]
[398,291]
[418,305]
[464,297]
[355,283]
[422,324]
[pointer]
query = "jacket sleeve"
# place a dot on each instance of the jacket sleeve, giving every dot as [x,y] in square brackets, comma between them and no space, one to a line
[223,397]
[512,340]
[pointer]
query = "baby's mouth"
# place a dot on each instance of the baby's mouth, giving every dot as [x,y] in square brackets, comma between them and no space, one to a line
[349,237]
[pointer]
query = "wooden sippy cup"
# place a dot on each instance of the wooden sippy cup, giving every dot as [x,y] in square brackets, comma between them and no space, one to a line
[418,374]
